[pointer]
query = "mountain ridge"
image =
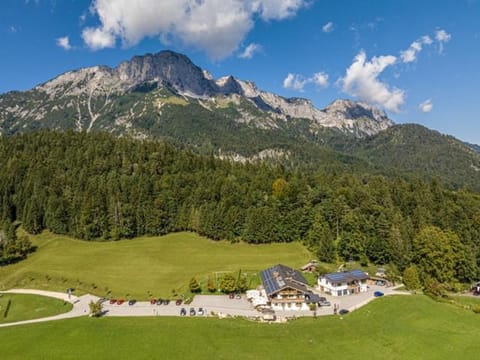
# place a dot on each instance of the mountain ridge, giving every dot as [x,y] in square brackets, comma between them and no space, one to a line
[85,95]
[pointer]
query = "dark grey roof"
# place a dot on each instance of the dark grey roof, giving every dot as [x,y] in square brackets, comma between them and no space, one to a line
[312,299]
[279,277]
[346,276]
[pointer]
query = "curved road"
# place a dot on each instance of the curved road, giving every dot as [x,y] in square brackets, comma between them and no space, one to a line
[80,305]
[220,304]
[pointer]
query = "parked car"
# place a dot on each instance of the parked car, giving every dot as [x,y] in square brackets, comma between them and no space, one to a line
[153,301]
[238,296]
[166,302]
[120,301]
[159,301]
[343,311]
[200,312]
[183,312]
[131,302]
[231,295]
[178,302]
[113,301]
[192,312]
[378,293]
[325,303]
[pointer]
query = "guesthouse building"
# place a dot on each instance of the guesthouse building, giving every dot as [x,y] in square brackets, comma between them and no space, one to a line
[286,288]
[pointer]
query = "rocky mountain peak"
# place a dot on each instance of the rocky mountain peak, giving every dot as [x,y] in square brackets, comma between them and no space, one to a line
[175,69]
[356,110]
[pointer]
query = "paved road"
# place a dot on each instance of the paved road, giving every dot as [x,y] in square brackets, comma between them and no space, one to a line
[220,305]
[80,305]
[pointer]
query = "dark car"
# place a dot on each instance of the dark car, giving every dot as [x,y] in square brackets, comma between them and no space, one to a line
[159,301]
[200,312]
[192,312]
[166,302]
[343,311]
[132,302]
[183,312]
[178,302]
[378,293]
[113,301]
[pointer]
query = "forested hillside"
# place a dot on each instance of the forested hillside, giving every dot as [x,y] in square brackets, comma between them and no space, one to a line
[97,186]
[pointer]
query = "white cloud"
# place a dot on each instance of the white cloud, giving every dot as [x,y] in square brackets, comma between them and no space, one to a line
[64,42]
[297,82]
[98,38]
[426,106]
[214,26]
[12,29]
[442,37]
[328,27]
[320,79]
[410,55]
[361,80]
[250,50]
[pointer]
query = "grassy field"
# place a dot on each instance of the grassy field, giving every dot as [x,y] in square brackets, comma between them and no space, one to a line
[135,268]
[402,327]
[26,307]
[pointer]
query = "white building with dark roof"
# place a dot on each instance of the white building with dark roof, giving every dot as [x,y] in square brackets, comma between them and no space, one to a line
[286,288]
[343,283]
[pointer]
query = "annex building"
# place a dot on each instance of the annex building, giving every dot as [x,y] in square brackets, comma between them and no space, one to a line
[343,283]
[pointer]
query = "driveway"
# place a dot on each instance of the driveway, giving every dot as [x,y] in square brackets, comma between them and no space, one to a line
[80,305]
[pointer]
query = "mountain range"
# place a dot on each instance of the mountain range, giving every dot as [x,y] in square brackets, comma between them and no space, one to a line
[166,96]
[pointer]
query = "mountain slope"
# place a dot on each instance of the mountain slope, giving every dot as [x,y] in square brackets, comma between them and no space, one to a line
[141,93]
[165,95]
[412,148]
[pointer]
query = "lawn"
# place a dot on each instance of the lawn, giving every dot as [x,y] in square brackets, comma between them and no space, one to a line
[402,327]
[142,266]
[26,307]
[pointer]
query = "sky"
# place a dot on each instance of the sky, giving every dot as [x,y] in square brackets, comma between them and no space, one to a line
[417,60]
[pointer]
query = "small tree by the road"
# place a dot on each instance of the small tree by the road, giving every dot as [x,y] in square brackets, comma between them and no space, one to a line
[96,308]
[211,285]
[194,286]
[228,284]
[411,279]
[242,284]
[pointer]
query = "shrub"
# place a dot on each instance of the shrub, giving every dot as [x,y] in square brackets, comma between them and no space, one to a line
[476,309]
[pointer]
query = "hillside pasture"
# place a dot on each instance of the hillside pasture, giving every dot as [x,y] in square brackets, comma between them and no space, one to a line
[397,327]
[141,267]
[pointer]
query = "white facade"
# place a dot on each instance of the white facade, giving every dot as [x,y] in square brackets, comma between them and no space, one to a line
[341,288]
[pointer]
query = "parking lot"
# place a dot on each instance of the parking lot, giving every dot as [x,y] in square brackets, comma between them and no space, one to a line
[223,305]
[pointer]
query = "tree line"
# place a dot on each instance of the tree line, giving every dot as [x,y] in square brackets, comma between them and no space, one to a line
[99,187]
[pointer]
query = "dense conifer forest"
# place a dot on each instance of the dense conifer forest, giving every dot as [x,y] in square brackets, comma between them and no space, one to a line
[99,187]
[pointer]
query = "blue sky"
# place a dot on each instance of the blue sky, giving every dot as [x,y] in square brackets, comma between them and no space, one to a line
[416,59]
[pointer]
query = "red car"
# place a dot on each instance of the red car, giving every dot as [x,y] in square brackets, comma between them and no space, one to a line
[153,301]
[120,302]
[178,302]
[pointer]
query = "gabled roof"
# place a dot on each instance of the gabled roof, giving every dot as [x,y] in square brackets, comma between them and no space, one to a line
[279,277]
[346,276]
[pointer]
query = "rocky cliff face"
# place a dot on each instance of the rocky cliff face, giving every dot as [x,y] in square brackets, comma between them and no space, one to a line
[156,85]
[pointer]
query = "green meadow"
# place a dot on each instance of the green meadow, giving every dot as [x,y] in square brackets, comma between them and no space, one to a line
[398,327]
[15,307]
[141,267]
